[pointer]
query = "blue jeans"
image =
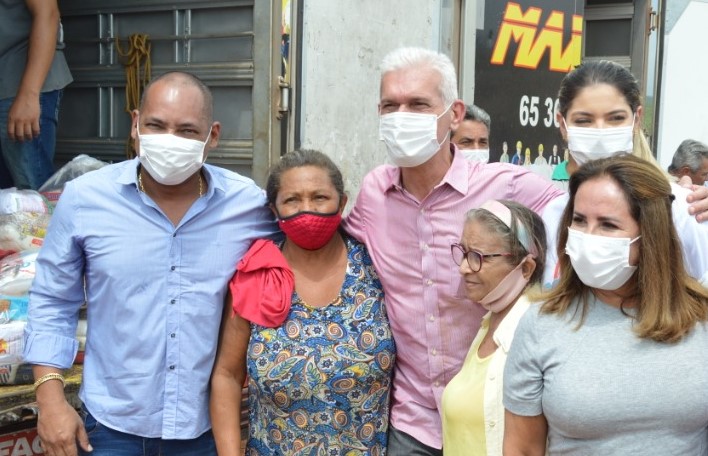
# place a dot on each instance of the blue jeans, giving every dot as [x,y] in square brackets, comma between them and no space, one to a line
[28,164]
[108,442]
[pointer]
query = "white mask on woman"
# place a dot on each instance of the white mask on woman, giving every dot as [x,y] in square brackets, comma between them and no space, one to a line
[586,143]
[600,262]
[411,138]
[170,159]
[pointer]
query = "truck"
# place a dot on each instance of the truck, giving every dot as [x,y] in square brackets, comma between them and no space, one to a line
[292,74]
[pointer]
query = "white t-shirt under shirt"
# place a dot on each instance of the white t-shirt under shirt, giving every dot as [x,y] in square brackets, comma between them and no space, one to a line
[604,390]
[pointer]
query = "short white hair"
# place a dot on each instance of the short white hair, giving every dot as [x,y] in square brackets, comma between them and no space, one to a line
[408,57]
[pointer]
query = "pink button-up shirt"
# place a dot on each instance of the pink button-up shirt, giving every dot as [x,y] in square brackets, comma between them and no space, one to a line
[409,241]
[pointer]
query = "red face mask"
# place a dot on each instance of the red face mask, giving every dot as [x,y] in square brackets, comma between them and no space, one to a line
[310,230]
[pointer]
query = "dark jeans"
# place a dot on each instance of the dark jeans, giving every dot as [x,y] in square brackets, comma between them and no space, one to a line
[108,442]
[402,444]
[28,164]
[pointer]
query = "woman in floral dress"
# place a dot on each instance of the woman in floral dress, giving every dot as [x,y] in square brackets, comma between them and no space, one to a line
[310,331]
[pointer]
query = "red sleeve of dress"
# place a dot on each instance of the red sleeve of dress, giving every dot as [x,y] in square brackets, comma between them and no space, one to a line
[263,285]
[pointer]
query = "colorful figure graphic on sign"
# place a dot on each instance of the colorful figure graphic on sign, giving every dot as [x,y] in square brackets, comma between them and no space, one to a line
[516,159]
[555,158]
[505,153]
[540,160]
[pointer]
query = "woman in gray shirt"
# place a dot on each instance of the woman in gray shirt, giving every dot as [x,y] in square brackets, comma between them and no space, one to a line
[615,361]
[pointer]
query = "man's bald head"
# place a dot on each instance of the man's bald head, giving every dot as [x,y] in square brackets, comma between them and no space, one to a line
[184,79]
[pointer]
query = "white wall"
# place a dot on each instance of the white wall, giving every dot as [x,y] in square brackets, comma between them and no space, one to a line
[684,90]
[343,43]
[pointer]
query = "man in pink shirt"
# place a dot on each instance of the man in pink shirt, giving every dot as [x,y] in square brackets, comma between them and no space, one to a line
[408,215]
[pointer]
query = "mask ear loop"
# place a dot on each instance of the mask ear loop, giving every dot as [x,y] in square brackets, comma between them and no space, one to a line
[449,131]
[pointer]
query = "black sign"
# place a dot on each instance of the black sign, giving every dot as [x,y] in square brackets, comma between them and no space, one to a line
[523,52]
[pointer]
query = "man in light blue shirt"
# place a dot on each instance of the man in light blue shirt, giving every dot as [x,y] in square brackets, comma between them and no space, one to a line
[150,244]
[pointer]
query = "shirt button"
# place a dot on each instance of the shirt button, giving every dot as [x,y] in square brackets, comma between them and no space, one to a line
[173,301]
[436,384]
[173,335]
[425,247]
[429,282]
[492,424]
[173,268]
[172,367]
[434,352]
[432,318]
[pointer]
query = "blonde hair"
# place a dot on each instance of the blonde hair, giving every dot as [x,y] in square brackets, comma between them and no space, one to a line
[669,301]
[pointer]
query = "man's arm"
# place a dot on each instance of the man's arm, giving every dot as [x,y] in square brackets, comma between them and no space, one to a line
[354,223]
[56,294]
[23,117]
[532,190]
[58,425]
[698,199]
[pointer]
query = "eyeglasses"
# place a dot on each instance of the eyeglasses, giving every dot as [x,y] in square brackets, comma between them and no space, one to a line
[474,258]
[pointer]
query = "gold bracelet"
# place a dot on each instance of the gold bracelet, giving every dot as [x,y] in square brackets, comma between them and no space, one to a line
[47,377]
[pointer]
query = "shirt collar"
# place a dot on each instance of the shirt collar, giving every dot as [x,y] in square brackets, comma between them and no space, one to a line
[129,176]
[457,175]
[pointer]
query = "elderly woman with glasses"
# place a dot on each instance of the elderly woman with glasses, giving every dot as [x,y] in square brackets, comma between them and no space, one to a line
[500,255]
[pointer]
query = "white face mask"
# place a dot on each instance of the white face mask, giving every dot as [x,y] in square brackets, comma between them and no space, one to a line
[411,138]
[479,155]
[587,143]
[169,159]
[600,262]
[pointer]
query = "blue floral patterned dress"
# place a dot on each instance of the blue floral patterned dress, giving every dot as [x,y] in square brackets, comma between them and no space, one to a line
[319,384]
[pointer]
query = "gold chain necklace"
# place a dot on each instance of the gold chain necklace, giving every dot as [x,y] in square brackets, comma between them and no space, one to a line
[142,188]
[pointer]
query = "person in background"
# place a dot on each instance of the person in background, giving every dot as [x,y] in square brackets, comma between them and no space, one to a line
[600,116]
[691,159]
[319,375]
[614,360]
[408,214]
[472,136]
[33,73]
[150,245]
[500,255]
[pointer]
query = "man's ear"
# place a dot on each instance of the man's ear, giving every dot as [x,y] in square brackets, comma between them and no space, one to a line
[684,171]
[213,139]
[135,117]
[458,112]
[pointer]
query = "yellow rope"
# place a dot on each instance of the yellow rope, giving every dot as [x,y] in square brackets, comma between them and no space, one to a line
[137,55]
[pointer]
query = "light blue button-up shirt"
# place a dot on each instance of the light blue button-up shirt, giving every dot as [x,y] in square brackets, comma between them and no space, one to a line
[154,292]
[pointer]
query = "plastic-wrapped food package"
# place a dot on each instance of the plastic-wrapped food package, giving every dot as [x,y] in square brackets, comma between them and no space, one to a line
[16,274]
[79,165]
[13,201]
[23,230]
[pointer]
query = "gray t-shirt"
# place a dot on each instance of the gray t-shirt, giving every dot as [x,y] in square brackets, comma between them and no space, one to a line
[15,27]
[604,391]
